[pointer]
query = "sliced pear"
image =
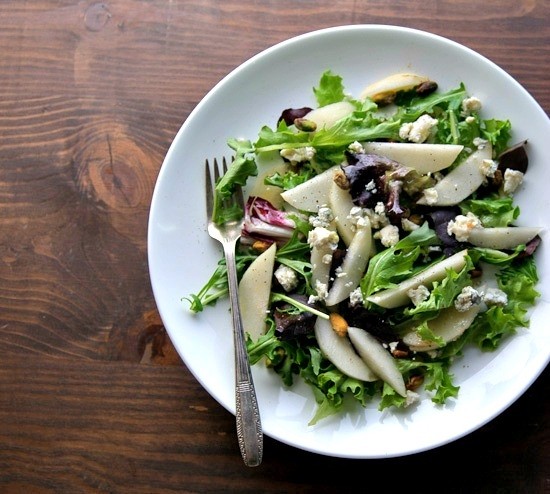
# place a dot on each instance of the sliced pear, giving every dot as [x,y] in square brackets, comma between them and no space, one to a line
[389,86]
[449,325]
[254,292]
[339,350]
[502,237]
[353,265]
[461,181]
[327,116]
[377,358]
[397,296]
[340,202]
[424,158]
[269,192]
[313,193]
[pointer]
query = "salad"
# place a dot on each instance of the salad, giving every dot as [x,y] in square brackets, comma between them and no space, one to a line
[379,240]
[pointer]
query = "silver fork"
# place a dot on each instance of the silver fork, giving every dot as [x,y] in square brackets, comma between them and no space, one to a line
[249,427]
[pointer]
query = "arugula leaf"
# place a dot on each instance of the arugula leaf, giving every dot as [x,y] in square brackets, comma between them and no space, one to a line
[242,167]
[217,286]
[392,265]
[420,105]
[494,256]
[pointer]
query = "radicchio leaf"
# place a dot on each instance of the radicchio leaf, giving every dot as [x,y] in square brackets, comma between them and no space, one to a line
[263,221]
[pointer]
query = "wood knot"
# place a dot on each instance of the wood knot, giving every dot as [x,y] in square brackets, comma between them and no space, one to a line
[111,170]
[97,16]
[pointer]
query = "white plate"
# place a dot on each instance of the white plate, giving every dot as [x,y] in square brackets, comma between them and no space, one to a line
[182,256]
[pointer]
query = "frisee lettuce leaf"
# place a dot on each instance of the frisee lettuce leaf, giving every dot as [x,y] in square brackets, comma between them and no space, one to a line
[330,89]
[444,292]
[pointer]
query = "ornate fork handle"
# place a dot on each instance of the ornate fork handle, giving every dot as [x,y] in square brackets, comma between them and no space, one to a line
[249,426]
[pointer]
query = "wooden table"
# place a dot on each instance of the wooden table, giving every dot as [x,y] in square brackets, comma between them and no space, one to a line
[93,397]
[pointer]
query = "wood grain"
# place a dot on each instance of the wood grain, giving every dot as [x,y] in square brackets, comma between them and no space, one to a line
[93,397]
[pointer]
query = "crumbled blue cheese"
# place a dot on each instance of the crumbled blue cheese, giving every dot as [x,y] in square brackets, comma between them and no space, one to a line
[494,296]
[323,218]
[411,398]
[462,225]
[356,297]
[471,104]
[322,292]
[512,180]
[321,237]
[377,216]
[418,294]
[356,147]
[419,130]
[467,298]
[339,273]
[430,195]
[286,277]
[488,168]
[480,143]
[298,155]
[371,187]
[388,235]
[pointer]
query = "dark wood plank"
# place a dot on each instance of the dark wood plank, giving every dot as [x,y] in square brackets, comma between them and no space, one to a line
[122,427]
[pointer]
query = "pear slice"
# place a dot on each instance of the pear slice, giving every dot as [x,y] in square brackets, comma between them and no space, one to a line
[311,194]
[424,158]
[502,237]
[377,358]
[327,116]
[461,181]
[270,193]
[339,350]
[397,296]
[254,292]
[449,325]
[389,86]
[353,265]
[340,202]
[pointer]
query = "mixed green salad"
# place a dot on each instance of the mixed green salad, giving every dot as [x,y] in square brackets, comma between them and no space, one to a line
[379,240]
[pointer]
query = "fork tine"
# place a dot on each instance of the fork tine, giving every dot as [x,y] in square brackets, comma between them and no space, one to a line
[216,170]
[238,195]
[209,191]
